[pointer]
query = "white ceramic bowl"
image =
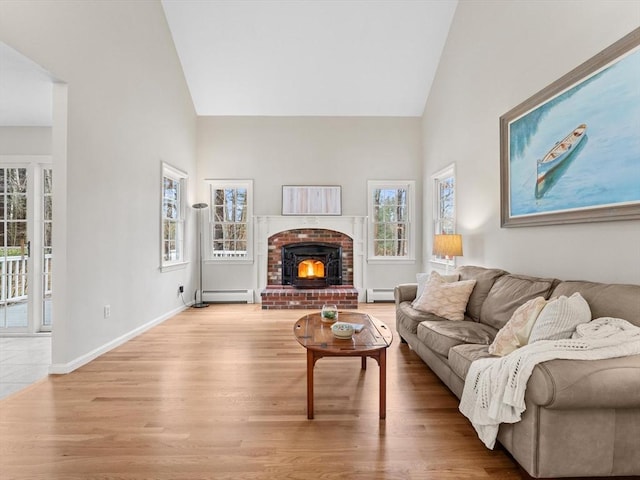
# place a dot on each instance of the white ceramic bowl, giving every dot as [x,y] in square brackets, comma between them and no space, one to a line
[342,330]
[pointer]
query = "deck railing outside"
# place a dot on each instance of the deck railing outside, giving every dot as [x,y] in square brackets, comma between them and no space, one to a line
[13,278]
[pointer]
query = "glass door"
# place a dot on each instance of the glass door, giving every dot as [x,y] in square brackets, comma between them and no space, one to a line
[47,250]
[25,247]
[14,249]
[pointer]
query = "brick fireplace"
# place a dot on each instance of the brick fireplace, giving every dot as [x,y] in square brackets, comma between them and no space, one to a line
[278,295]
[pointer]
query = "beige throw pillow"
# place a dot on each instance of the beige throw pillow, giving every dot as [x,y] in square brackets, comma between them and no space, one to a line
[423,278]
[516,331]
[560,317]
[445,299]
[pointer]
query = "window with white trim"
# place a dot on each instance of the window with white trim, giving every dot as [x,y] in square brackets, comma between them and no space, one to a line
[444,203]
[391,220]
[230,222]
[174,186]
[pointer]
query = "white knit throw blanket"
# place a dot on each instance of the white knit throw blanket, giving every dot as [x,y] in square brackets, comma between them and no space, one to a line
[494,388]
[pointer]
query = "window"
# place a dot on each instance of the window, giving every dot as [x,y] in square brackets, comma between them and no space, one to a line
[25,243]
[231,213]
[14,246]
[47,245]
[444,203]
[391,220]
[174,184]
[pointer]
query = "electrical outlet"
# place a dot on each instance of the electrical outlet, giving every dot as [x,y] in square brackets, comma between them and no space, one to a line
[180,289]
[107,311]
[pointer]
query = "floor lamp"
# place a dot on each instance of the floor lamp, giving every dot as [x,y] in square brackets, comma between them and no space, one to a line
[199,207]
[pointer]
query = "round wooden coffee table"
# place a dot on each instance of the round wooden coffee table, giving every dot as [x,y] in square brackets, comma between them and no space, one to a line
[372,341]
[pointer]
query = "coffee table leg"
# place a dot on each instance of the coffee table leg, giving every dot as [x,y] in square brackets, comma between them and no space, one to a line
[310,362]
[364,362]
[382,361]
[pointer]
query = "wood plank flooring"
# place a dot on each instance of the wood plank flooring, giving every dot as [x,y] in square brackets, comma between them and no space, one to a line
[220,393]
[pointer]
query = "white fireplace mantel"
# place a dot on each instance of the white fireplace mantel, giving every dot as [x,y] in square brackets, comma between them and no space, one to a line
[353,226]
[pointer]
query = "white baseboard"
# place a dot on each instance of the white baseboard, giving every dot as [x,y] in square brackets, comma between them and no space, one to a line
[379,295]
[63,368]
[228,296]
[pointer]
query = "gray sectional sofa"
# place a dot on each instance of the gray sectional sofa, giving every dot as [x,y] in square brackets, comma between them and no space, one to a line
[582,417]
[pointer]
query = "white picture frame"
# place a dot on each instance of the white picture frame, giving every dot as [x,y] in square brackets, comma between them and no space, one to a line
[311,200]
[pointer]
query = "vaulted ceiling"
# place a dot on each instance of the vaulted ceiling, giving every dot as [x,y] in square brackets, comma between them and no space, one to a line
[309,57]
[25,90]
[280,58]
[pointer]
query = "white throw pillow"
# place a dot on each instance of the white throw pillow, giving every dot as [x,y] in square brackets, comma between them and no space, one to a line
[445,299]
[560,317]
[516,331]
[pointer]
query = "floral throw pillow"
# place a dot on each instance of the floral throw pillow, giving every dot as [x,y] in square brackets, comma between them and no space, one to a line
[516,331]
[445,299]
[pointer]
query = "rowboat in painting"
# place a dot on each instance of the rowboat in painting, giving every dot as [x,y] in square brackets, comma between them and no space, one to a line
[560,152]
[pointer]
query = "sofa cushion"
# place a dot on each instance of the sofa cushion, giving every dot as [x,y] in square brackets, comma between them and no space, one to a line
[442,335]
[560,317]
[445,299]
[605,300]
[484,277]
[516,332]
[408,318]
[508,293]
[461,356]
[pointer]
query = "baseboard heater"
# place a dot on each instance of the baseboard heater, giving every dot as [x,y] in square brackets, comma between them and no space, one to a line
[227,296]
[379,295]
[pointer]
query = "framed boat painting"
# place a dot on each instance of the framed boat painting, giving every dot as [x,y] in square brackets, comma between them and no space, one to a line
[571,153]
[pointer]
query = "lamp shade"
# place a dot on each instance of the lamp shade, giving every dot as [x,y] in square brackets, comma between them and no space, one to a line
[447,245]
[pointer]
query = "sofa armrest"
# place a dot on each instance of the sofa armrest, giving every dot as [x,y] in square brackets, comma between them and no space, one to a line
[405,292]
[564,384]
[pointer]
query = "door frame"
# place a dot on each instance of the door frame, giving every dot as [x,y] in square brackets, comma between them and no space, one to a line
[35,307]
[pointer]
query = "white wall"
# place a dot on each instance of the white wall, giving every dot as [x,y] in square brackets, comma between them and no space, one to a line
[497,55]
[276,151]
[25,140]
[128,110]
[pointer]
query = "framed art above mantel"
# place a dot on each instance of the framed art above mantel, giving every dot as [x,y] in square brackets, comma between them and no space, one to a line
[571,152]
[311,200]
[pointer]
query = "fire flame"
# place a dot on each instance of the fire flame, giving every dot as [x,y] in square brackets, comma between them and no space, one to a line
[311,269]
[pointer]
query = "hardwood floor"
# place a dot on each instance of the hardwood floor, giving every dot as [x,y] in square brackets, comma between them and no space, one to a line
[220,393]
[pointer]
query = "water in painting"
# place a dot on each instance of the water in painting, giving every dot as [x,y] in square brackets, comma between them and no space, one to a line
[604,168]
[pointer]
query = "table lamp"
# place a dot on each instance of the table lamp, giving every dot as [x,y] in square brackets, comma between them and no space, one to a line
[447,246]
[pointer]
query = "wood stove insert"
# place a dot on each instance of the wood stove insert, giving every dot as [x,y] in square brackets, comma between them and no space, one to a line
[311,265]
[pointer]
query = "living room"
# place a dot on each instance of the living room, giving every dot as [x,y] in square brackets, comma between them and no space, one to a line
[112,222]
[126,108]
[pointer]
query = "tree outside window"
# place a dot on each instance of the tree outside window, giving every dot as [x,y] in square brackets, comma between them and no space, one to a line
[444,205]
[390,214]
[231,219]
[47,243]
[173,201]
[13,202]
